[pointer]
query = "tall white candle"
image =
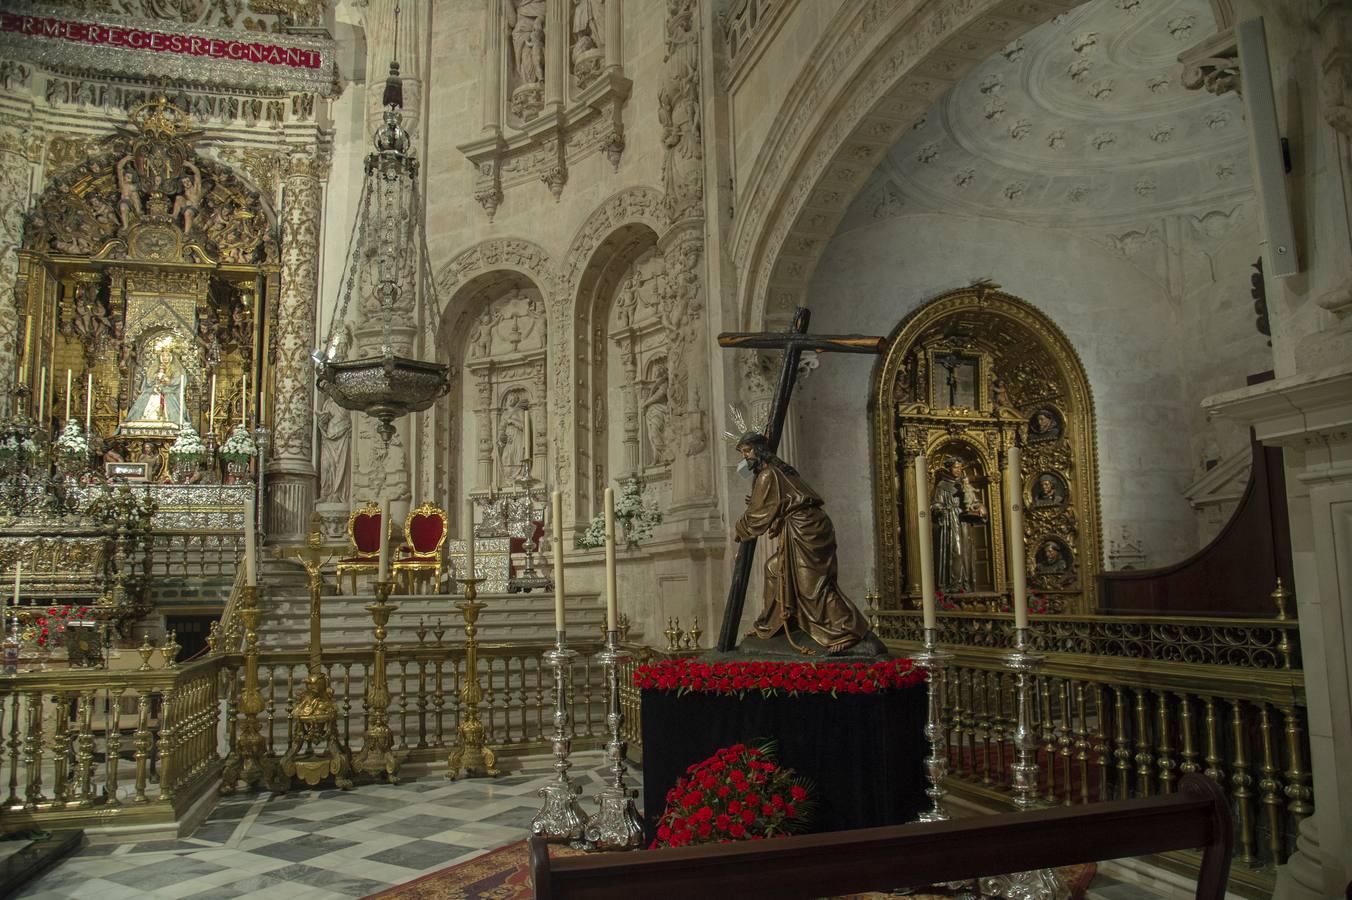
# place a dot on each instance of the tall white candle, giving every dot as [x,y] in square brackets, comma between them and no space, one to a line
[557,539]
[67,419]
[469,537]
[925,540]
[530,445]
[383,567]
[42,399]
[612,601]
[244,399]
[18,578]
[250,543]
[182,397]
[89,400]
[1014,513]
[211,416]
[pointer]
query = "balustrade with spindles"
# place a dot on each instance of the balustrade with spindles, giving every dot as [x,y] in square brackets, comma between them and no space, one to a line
[1124,708]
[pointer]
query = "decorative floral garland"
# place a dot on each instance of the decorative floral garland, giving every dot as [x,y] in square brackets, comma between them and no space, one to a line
[46,629]
[739,794]
[774,678]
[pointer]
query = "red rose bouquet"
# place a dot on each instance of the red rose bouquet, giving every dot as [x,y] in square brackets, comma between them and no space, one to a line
[738,794]
[46,628]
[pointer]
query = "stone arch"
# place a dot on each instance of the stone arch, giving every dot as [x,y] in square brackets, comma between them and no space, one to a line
[464,288]
[621,228]
[470,285]
[883,66]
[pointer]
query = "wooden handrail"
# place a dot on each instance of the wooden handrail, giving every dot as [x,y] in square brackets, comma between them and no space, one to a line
[822,865]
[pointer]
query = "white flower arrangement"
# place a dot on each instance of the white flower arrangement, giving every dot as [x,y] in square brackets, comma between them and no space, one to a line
[239,446]
[72,443]
[189,444]
[635,512]
[14,445]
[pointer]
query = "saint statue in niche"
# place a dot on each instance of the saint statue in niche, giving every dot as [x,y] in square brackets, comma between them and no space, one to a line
[160,386]
[657,415]
[956,509]
[1049,490]
[526,21]
[514,437]
[335,444]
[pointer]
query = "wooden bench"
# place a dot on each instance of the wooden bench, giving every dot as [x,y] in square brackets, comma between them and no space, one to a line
[881,859]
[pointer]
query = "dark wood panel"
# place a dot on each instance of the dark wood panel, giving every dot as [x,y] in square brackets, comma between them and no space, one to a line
[1234,575]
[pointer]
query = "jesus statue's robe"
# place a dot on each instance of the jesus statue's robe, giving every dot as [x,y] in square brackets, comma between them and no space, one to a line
[800,578]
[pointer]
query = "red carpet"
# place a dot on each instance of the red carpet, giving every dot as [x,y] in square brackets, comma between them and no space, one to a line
[504,874]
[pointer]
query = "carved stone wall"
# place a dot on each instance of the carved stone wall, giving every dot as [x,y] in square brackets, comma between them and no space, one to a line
[18,152]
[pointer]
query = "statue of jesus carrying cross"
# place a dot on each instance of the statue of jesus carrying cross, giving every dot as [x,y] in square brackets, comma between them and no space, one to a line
[800,578]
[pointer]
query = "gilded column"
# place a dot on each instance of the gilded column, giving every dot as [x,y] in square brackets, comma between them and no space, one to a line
[15,171]
[291,467]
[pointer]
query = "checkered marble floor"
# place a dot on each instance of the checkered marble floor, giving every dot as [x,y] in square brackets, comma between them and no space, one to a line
[318,845]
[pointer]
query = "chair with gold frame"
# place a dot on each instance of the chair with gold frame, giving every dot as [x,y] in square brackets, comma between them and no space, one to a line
[425,531]
[364,531]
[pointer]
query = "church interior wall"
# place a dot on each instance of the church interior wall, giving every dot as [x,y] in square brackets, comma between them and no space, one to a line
[1119,322]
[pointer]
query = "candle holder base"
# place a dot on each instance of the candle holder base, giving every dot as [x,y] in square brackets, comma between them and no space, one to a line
[616,824]
[560,819]
[473,740]
[935,662]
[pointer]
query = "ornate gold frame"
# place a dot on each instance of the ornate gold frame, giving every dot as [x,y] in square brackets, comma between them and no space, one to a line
[414,565]
[902,426]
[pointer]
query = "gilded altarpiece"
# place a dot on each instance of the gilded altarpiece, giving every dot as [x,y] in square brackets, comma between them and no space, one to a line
[963,378]
[146,271]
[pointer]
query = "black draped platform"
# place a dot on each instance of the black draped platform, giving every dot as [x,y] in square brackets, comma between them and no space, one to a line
[864,753]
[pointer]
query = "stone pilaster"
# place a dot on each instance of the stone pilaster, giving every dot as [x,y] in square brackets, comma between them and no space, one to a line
[291,475]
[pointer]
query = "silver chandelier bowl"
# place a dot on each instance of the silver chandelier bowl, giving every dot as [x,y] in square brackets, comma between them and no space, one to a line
[384,387]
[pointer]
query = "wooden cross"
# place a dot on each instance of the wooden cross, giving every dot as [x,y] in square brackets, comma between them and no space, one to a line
[793,343]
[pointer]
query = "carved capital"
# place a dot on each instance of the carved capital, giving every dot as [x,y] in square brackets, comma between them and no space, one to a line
[1212,65]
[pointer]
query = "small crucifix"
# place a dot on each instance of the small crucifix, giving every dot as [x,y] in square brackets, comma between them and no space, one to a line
[793,343]
[951,361]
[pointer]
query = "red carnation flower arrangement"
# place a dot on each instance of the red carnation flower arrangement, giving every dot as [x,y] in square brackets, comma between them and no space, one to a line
[773,678]
[739,794]
[47,628]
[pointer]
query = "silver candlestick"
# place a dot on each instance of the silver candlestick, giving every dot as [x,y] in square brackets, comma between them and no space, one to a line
[616,824]
[1022,661]
[1037,884]
[560,818]
[935,662]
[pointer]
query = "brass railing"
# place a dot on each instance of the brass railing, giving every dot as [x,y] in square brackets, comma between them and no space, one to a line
[88,747]
[1126,707]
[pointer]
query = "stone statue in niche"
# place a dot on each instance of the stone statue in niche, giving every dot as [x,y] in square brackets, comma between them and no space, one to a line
[1045,425]
[955,509]
[1049,491]
[589,22]
[514,437]
[525,21]
[481,341]
[335,450]
[656,413]
[679,114]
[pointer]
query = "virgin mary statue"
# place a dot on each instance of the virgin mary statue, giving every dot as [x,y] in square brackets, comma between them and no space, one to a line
[158,399]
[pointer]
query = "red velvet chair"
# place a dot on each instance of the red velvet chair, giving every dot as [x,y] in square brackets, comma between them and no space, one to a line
[424,536]
[365,531]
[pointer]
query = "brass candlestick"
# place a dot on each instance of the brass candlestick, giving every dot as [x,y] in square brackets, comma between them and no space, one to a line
[249,758]
[560,819]
[616,824]
[377,755]
[935,662]
[472,739]
[316,751]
